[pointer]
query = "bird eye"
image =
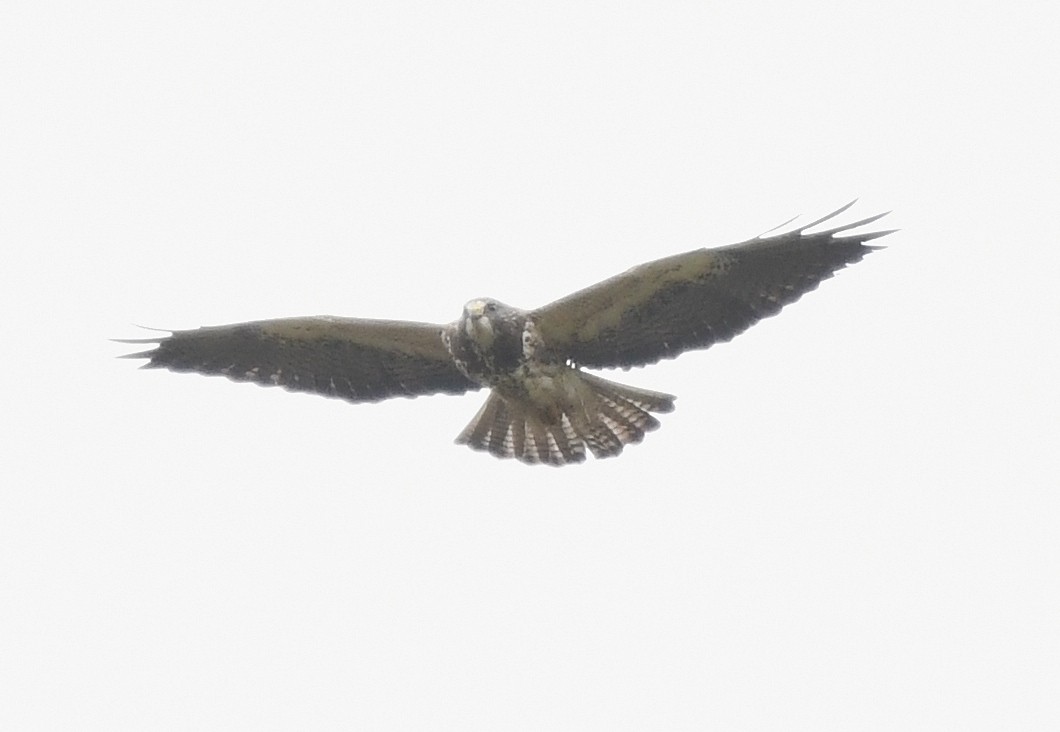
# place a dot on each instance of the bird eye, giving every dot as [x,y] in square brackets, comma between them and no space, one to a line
[491,307]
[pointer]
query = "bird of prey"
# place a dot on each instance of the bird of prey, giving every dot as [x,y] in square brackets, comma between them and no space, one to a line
[543,407]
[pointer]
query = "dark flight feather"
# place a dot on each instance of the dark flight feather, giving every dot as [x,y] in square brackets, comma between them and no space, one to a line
[696,299]
[348,358]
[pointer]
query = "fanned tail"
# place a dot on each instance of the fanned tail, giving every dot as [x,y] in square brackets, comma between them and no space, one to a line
[585,411]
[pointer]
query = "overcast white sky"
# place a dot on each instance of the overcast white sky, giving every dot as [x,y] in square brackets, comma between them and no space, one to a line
[850,522]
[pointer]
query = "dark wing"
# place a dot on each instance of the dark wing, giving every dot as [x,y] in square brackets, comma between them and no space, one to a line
[349,358]
[693,300]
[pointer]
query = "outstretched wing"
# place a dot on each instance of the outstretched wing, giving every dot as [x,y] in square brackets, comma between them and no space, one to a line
[693,300]
[349,358]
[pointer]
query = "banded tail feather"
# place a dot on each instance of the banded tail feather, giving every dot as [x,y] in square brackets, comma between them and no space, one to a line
[584,411]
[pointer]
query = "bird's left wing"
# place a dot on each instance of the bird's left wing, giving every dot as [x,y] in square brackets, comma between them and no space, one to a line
[693,300]
[348,358]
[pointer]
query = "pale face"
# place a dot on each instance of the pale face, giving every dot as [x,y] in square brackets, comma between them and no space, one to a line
[476,321]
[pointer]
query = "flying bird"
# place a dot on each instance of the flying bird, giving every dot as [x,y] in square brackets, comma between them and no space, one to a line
[543,406]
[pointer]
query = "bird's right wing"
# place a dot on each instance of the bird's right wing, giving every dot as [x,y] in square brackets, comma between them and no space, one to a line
[348,358]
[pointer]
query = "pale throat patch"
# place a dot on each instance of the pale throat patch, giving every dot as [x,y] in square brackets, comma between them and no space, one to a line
[477,326]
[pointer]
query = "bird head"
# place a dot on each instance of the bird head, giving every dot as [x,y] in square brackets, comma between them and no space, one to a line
[478,320]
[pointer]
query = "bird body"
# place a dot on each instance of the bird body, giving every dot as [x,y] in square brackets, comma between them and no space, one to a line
[543,406]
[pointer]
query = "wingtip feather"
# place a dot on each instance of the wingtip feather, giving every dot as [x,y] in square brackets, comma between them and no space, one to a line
[856,224]
[140,354]
[876,235]
[778,226]
[832,215]
[827,217]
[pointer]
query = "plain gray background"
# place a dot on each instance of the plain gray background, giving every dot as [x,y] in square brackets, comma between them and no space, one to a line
[850,522]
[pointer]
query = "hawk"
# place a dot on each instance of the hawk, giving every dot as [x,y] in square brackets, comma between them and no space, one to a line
[543,406]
